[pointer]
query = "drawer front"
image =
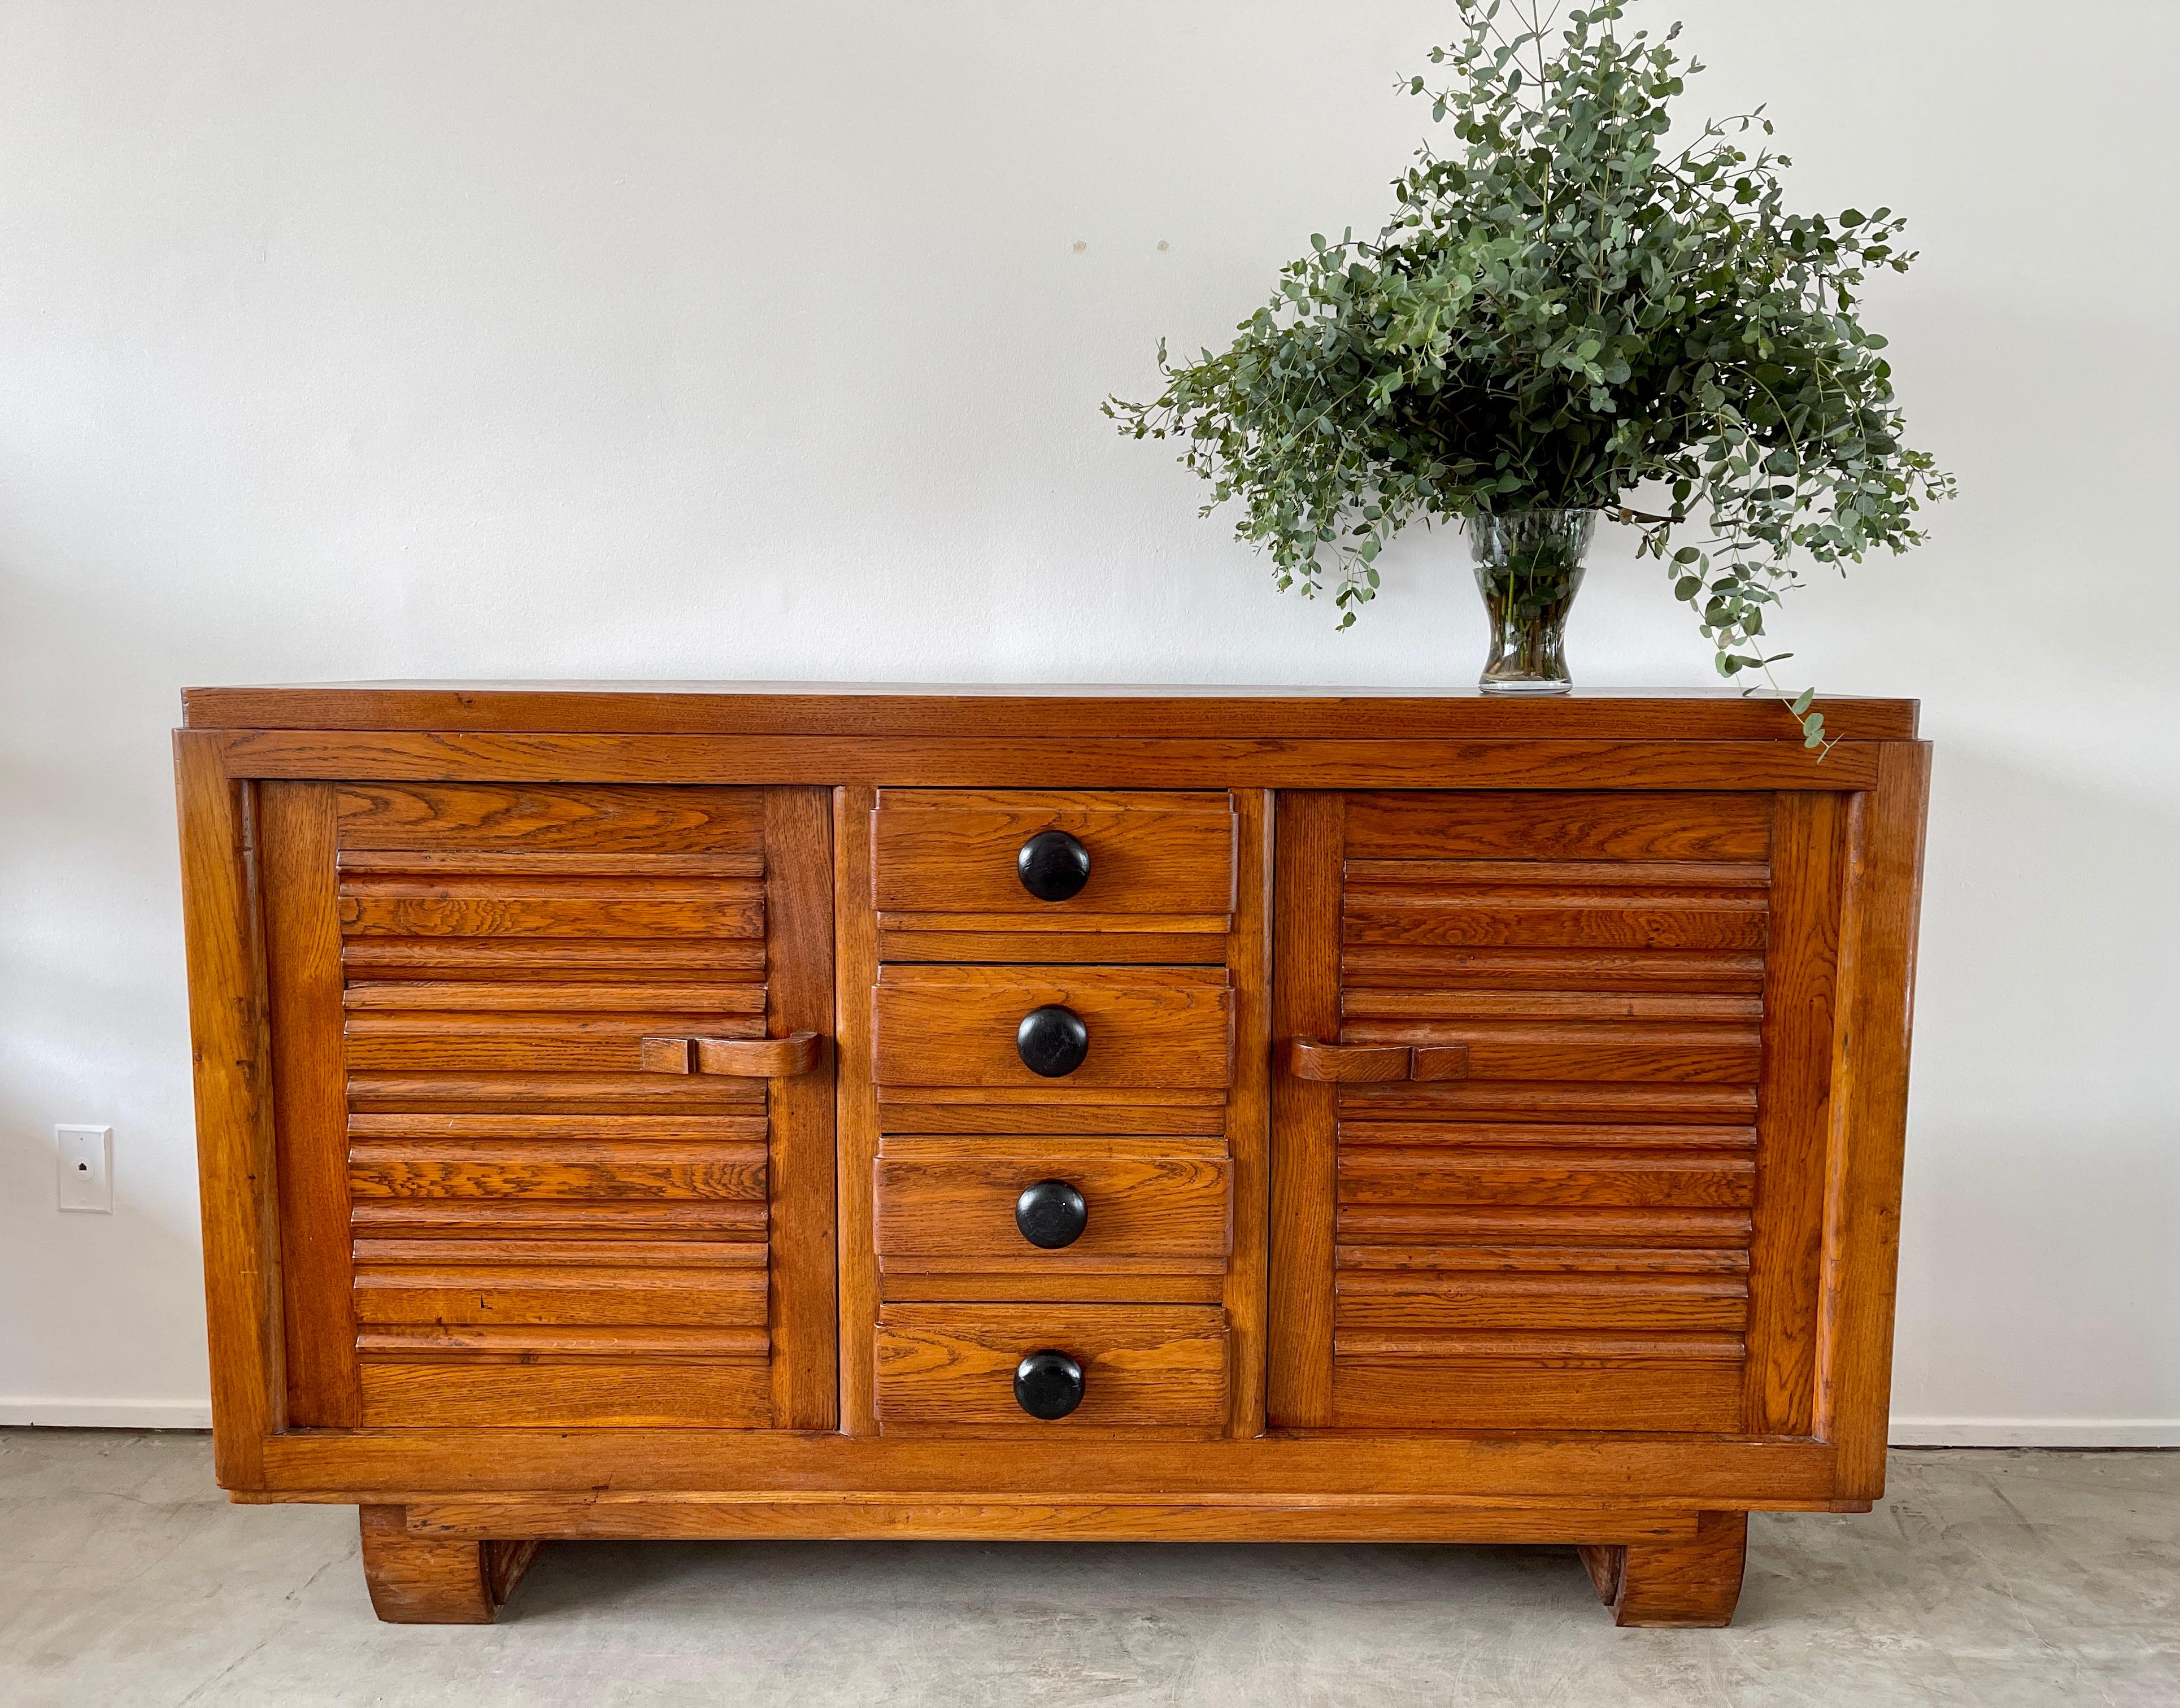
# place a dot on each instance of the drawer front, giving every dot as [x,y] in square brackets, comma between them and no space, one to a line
[957,851]
[1168,1027]
[1146,1198]
[950,1369]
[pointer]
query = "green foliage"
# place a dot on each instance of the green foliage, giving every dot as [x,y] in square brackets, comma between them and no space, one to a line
[1560,311]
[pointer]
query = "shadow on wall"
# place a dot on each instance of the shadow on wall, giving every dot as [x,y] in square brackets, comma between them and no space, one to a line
[2037,1280]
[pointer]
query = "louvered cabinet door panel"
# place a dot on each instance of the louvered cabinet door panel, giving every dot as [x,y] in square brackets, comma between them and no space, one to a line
[493,1211]
[1588,1200]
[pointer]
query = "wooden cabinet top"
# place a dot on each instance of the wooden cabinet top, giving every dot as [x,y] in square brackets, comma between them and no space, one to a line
[1071,709]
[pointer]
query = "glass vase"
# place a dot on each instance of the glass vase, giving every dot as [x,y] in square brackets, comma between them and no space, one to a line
[1528,568]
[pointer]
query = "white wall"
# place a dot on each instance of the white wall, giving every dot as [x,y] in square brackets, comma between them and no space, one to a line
[698,339]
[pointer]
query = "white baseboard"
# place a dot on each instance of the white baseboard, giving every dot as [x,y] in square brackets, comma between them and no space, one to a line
[2034,1432]
[108,1414]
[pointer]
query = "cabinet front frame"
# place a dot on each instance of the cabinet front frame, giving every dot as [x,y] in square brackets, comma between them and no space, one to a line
[1841,1465]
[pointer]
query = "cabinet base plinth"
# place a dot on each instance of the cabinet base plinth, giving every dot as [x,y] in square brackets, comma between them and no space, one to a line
[448,1561]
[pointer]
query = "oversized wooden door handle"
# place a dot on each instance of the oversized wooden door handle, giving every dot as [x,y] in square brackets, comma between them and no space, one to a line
[1348,1064]
[739,1058]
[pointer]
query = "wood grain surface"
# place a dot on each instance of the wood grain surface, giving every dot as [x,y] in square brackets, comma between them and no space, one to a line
[1309,840]
[424,1580]
[1056,762]
[1866,1146]
[1680,1584]
[953,851]
[231,1053]
[955,1197]
[1609,1261]
[1027,711]
[1600,1084]
[1149,1027]
[299,884]
[945,1368]
[1003,1516]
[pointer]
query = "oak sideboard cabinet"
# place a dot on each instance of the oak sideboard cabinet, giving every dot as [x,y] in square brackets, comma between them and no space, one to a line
[718,1111]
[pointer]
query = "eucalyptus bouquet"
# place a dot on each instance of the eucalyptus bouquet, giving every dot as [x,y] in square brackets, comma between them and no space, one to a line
[1561,311]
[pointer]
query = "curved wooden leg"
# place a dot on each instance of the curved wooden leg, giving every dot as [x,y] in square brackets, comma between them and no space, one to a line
[1693,1584]
[419,1580]
[1603,1562]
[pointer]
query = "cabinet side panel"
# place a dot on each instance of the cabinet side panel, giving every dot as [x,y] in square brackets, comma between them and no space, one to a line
[1310,830]
[297,858]
[798,859]
[1870,1119]
[222,928]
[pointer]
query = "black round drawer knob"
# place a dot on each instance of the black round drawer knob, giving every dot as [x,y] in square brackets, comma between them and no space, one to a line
[1048,1385]
[1054,866]
[1051,1214]
[1052,1041]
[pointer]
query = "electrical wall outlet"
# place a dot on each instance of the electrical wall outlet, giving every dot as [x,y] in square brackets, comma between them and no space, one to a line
[86,1168]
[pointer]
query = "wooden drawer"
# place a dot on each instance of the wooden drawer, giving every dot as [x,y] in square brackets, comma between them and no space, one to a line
[954,1198]
[950,1369]
[955,851]
[1149,1027]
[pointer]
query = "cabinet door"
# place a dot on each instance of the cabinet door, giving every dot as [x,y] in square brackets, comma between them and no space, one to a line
[1562,1166]
[497,1206]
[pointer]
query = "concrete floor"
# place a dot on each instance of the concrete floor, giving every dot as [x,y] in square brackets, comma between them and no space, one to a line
[1984,1578]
